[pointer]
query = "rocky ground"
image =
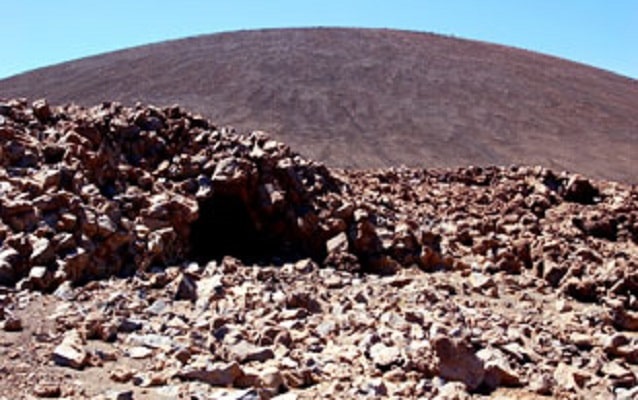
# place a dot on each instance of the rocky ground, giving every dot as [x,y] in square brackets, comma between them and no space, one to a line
[147,254]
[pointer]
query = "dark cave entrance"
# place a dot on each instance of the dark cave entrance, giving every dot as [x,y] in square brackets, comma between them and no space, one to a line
[226,228]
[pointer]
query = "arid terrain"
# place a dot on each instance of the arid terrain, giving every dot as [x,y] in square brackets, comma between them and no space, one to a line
[367,98]
[146,253]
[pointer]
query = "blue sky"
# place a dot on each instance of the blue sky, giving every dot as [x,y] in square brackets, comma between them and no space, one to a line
[37,33]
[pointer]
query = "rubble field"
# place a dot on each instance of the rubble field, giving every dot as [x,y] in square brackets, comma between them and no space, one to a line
[146,254]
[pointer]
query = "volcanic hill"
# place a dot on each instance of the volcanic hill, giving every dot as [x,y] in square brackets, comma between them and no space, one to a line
[374,98]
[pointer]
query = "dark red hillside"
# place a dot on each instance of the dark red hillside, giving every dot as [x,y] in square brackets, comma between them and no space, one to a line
[374,98]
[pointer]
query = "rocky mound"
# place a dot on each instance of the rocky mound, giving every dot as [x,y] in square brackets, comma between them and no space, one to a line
[373,98]
[92,193]
[425,282]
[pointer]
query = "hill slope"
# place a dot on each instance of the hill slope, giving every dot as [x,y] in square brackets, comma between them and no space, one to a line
[374,98]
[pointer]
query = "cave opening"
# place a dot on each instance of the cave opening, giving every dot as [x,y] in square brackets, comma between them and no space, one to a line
[225,227]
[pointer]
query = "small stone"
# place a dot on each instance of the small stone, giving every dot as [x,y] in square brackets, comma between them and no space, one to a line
[481,281]
[272,380]
[152,340]
[615,370]
[12,324]
[182,355]
[374,387]
[209,289]
[150,379]
[139,352]
[582,341]
[626,394]
[541,384]
[118,395]
[244,352]
[216,374]
[452,391]
[383,356]
[246,394]
[568,377]
[338,243]
[298,378]
[42,110]
[186,288]
[562,305]
[249,379]
[305,266]
[65,291]
[128,325]
[497,369]
[47,390]
[580,190]
[38,277]
[158,307]
[95,326]
[42,251]
[626,319]
[121,375]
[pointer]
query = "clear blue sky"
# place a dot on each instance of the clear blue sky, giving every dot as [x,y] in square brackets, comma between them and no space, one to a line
[36,33]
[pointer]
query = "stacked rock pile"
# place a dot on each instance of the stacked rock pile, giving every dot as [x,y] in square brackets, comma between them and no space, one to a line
[399,282]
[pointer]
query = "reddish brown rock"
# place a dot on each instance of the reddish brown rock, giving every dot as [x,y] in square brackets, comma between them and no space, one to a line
[458,362]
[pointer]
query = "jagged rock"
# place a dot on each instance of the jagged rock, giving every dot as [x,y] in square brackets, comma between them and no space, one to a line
[272,381]
[244,352]
[456,361]
[626,394]
[71,352]
[597,225]
[569,378]
[337,244]
[9,258]
[298,378]
[452,391]
[580,190]
[139,352]
[305,266]
[41,110]
[118,395]
[217,374]
[498,372]
[247,394]
[620,375]
[12,324]
[186,288]
[39,278]
[383,356]
[121,375]
[541,384]
[47,390]
[626,319]
[303,300]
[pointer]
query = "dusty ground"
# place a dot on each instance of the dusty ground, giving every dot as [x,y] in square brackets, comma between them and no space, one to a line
[351,336]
